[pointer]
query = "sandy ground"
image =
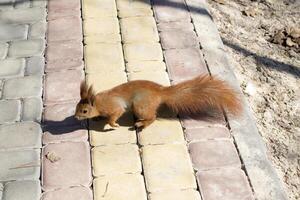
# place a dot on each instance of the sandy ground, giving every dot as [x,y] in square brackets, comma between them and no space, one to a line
[262,39]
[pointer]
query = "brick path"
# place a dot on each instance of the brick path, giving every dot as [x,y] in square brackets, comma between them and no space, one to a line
[106,43]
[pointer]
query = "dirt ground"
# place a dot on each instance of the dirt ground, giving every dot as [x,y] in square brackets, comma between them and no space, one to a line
[263,40]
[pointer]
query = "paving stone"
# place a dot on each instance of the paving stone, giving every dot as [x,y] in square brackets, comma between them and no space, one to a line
[98,9]
[203,121]
[143,52]
[132,4]
[140,66]
[177,194]
[159,163]
[105,26]
[20,165]
[169,11]
[207,133]
[160,77]
[64,134]
[20,4]
[63,86]
[38,30]
[26,48]
[3,50]
[12,68]
[100,134]
[1,87]
[22,190]
[178,39]
[81,193]
[10,32]
[103,82]
[64,173]
[20,135]
[1,186]
[39,3]
[103,58]
[162,131]
[175,26]
[227,184]
[35,65]
[135,12]
[63,8]
[23,16]
[9,5]
[139,29]
[212,154]
[32,109]
[25,87]
[10,111]
[60,115]
[122,187]
[118,159]
[185,63]
[64,55]
[67,28]
[103,38]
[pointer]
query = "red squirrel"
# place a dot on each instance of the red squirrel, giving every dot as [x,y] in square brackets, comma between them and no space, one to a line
[144,98]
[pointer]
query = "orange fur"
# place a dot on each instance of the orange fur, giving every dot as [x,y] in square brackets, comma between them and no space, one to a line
[145,97]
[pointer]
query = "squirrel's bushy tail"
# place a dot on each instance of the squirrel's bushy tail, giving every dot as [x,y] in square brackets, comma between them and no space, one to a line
[200,94]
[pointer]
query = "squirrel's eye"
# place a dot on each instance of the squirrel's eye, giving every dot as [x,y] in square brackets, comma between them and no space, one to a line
[84,111]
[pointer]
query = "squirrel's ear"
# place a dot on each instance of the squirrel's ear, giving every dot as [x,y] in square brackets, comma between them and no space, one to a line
[83,90]
[91,95]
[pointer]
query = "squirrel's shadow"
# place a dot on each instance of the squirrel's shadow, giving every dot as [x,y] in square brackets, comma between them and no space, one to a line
[70,124]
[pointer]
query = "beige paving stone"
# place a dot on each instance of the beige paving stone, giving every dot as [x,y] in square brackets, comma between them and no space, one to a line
[103,58]
[98,9]
[123,187]
[177,194]
[101,134]
[135,12]
[105,26]
[157,77]
[139,29]
[167,167]
[125,4]
[143,52]
[102,81]
[162,131]
[139,66]
[103,38]
[115,160]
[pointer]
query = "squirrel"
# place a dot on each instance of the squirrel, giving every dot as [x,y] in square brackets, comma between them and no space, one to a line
[145,97]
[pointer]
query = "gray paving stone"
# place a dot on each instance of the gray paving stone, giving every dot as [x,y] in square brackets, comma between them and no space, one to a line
[12,68]
[173,26]
[9,32]
[9,5]
[22,190]
[179,39]
[1,190]
[22,16]
[20,165]
[37,30]
[20,4]
[1,87]
[39,3]
[3,50]
[35,65]
[20,135]
[10,111]
[25,87]
[26,48]
[32,109]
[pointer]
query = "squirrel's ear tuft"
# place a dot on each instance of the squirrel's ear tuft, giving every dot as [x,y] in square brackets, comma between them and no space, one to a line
[91,95]
[83,90]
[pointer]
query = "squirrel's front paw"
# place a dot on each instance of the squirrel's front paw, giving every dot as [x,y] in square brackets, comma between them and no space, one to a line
[114,125]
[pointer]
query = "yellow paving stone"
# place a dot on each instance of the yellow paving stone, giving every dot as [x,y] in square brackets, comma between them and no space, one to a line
[105,26]
[139,29]
[103,58]
[135,12]
[139,66]
[122,187]
[103,38]
[143,52]
[105,81]
[125,4]
[162,131]
[124,134]
[167,167]
[115,160]
[98,9]
[177,194]
[160,77]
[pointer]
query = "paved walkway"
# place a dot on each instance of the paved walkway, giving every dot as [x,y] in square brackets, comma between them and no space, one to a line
[107,42]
